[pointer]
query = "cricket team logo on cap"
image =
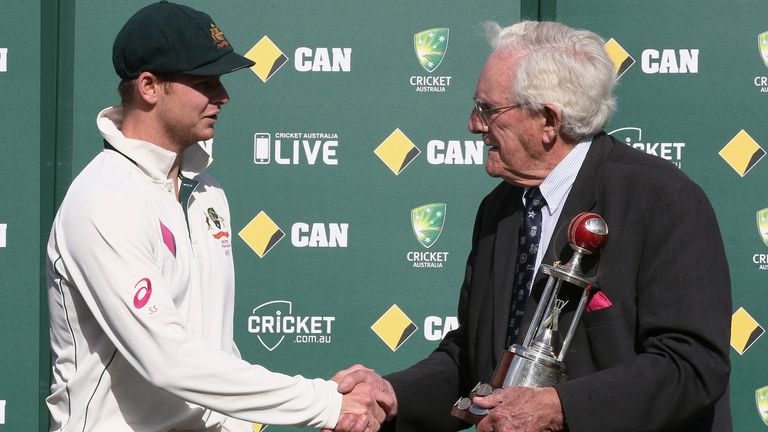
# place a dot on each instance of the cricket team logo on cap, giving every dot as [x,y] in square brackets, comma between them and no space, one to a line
[761,398]
[742,153]
[268,58]
[427,223]
[218,37]
[394,327]
[619,56]
[431,46]
[261,234]
[397,151]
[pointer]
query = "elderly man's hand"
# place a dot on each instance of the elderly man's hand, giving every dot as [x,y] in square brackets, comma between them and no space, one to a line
[360,411]
[360,379]
[521,409]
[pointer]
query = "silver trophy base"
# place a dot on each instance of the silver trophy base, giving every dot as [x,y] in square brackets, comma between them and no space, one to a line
[519,367]
[528,368]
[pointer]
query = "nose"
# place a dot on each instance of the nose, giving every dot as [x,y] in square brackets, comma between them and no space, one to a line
[475,124]
[220,95]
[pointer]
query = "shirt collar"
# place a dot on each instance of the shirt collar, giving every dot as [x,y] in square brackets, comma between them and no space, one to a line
[152,159]
[558,182]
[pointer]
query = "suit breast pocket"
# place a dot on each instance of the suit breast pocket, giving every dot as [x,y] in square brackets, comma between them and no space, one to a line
[609,335]
[603,317]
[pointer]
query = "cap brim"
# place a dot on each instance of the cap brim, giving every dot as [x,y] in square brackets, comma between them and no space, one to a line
[225,64]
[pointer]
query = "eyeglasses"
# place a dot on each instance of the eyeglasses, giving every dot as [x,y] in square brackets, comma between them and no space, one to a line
[485,111]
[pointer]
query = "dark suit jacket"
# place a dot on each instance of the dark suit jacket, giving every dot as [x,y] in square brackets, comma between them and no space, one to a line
[657,359]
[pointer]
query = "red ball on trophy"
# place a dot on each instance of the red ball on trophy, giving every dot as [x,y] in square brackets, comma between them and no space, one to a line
[587,231]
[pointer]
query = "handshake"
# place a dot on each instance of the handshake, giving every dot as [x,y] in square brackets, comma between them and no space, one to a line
[368,400]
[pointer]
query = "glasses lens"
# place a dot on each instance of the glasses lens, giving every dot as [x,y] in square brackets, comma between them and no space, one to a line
[480,111]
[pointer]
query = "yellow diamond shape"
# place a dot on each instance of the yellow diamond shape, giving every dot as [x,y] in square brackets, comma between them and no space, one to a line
[258,427]
[261,234]
[397,151]
[742,153]
[619,56]
[394,327]
[268,58]
[744,330]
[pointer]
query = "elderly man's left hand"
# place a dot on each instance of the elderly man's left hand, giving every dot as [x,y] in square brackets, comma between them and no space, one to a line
[521,409]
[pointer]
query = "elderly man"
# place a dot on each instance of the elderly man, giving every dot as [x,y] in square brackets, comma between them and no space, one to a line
[651,353]
[140,272]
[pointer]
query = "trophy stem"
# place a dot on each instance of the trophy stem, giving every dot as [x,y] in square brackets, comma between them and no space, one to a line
[577,316]
[534,327]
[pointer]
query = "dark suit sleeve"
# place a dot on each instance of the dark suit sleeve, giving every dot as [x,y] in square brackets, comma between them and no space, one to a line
[669,334]
[427,390]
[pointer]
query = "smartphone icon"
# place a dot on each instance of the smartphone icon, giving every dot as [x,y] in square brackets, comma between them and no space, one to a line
[261,145]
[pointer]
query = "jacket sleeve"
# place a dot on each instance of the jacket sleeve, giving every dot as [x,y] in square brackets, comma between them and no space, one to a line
[109,255]
[427,390]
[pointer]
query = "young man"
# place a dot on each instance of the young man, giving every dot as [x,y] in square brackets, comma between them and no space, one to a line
[140,272]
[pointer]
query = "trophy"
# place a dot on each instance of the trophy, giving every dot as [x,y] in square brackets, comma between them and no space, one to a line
[538,362]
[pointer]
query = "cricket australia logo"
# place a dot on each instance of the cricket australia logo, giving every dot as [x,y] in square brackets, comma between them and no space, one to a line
[761,398]
[272,321]
[762,45]
[761,82]
[431,46]
[760,259]
[427,222]
[762,224]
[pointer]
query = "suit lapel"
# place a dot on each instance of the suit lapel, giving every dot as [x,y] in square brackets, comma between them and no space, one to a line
[505,255]
[582,197]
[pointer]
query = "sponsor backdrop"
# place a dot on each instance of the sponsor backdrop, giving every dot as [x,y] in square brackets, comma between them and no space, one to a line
[21,214]
[353,181]
[694,91]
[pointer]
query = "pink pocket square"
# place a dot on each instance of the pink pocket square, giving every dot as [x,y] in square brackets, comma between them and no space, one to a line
[598,301]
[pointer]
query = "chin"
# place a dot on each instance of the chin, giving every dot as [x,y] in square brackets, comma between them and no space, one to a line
[492,171]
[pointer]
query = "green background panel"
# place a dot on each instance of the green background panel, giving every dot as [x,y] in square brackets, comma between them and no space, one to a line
[705,110]
[20,212]
[60,76]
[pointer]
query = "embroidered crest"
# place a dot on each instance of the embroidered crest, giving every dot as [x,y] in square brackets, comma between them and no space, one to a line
[218,226]
[218,37]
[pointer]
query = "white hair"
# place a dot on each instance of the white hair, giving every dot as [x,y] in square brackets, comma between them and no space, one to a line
[566,67]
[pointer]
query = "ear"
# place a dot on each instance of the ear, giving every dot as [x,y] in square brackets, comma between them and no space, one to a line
[552,122]
[148,87]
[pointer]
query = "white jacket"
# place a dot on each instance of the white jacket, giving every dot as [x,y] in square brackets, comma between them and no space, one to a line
[141,300]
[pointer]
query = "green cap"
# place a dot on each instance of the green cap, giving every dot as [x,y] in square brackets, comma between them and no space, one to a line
[166,37]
